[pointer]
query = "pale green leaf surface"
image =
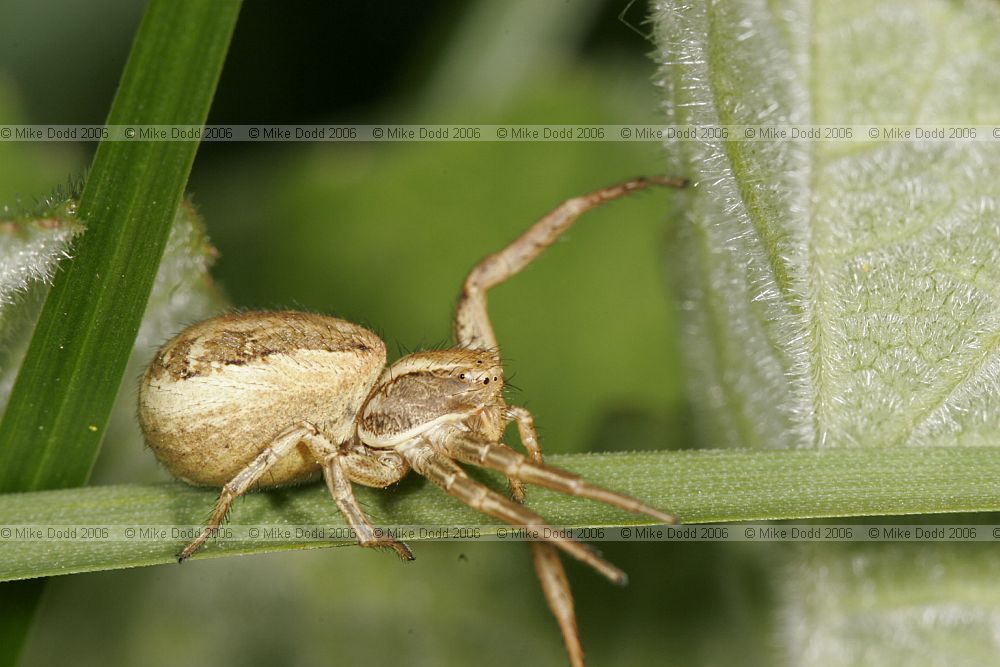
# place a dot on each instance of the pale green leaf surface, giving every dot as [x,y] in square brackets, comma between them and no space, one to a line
[868,605]
[844,294]
[31,246]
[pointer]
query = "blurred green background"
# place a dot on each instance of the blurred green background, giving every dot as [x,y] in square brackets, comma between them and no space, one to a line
[383,234]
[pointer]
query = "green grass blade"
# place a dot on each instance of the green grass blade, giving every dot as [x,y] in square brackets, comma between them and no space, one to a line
[57,412]
[51,431]
[703,486]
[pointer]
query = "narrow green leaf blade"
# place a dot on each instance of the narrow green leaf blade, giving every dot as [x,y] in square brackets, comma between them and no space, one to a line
[51,431]
[716,485]
[59,407]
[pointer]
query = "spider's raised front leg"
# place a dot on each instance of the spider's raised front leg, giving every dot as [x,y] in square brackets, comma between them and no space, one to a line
[472,329]
[472,322]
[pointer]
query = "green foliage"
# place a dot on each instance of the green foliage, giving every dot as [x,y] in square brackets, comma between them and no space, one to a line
[846,290]
[826,289]
[58,409]
[708,486]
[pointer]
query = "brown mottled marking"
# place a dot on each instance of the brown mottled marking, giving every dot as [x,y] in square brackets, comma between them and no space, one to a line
[242,338]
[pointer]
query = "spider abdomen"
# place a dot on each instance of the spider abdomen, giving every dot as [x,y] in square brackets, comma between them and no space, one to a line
[219,392]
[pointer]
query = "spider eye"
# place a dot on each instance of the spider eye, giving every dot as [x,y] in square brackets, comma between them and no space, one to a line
[486,381]
[462,376]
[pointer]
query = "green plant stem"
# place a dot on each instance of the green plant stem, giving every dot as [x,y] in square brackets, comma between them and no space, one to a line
[700,486]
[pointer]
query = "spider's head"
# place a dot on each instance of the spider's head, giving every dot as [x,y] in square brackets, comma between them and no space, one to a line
[473,372]
[478,367]
[425,389]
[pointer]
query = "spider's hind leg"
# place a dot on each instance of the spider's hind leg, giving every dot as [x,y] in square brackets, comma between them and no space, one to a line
[281,446]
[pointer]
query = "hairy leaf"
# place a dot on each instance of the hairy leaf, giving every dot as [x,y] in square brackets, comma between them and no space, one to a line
[843,293]
[33,244]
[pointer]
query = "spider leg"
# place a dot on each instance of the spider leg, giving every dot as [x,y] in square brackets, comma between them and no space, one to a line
[280,447]
[377,468]
[529,438]
[548,565]
[516,489]
[447,474]
[545,557]
[474,449]
[559,596]
[526,429]
[472,325]
[472,329]
[337,482]
[338,470]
